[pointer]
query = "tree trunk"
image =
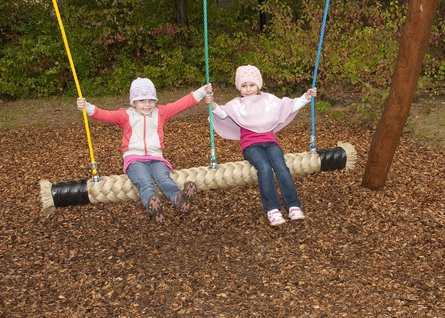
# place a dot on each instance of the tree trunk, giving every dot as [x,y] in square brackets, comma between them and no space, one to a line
[264,17]
[412,48]
[181,12]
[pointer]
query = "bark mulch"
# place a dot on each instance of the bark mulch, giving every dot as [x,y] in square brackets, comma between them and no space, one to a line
[358,253]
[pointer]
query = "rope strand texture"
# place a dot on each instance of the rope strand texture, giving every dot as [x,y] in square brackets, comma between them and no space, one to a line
[117,188]
[232,174]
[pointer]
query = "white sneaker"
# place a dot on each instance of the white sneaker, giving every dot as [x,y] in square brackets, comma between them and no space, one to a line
[295,213]
[275,217]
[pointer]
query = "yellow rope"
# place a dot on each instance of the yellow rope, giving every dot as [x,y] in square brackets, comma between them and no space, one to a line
[79,92]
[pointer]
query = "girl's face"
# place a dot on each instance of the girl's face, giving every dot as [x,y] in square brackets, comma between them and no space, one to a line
[145,106]
[248,88]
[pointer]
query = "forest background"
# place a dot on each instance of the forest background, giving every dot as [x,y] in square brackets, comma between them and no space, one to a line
[112,42]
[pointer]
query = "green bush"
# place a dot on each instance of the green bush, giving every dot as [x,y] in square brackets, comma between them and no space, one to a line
[112,42]
[371,103]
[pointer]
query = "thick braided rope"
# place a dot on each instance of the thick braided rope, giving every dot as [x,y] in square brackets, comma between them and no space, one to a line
[119,188]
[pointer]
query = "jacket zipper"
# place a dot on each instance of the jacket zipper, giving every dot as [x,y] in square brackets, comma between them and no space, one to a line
[145,135]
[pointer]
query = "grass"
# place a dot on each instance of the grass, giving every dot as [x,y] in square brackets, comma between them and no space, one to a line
[426,121]
[62,111]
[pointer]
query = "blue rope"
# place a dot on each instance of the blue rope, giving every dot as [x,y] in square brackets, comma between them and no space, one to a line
[206,56]
[320,43]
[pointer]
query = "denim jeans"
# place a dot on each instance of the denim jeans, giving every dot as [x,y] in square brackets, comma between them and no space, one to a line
[144,175]
[268,158]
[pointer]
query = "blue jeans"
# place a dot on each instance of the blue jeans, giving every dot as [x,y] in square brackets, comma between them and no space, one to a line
[268,158]
[144,175]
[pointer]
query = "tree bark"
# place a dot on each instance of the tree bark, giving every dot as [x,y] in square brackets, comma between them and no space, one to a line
[412,48]
[181,12]
[264,17]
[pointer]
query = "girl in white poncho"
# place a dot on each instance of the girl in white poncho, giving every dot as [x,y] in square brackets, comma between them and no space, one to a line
[254,118]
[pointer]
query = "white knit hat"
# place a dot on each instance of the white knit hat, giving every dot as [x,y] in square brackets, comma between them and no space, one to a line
[248,73]
[142,88]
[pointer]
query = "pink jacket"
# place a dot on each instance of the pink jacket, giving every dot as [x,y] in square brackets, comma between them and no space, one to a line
[143,135]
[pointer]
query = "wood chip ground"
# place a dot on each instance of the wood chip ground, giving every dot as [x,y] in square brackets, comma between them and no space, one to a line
[358,253]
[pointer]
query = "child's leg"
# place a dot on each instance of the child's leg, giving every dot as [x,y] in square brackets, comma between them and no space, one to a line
[140,174]
[257,156]
[161,175]
[285,180]
[182,200]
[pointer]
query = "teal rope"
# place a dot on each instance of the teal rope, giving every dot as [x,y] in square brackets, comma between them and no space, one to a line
[206,57]
[320,43]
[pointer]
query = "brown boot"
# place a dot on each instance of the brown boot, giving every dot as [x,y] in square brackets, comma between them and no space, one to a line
[184,198]
[154,209]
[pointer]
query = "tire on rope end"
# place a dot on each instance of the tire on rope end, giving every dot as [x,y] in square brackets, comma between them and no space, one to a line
[62,194]
[343,156]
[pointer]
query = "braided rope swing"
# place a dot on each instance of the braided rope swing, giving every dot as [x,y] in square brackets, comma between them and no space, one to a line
[118,188]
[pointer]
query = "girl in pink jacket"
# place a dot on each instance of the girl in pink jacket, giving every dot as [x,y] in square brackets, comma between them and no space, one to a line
[143,141]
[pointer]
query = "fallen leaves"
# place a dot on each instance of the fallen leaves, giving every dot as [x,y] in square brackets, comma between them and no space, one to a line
[358,253]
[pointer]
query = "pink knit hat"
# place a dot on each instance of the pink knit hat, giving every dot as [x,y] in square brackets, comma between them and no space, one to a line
[248,73]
